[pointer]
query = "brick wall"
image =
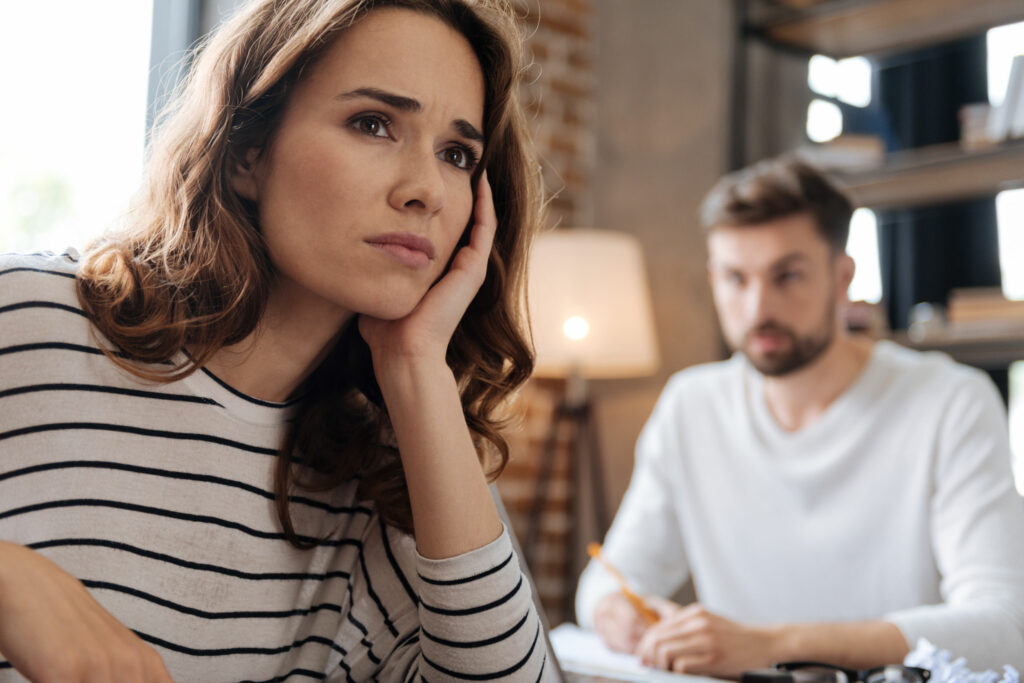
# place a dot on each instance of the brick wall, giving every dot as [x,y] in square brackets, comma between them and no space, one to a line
[559,96]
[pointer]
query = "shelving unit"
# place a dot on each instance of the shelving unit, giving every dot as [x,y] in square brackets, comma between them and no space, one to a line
[912,178]
[845,28]
[842,28]
[988,346]
[936,174]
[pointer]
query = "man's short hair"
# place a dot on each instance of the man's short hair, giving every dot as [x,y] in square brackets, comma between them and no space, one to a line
[777,188]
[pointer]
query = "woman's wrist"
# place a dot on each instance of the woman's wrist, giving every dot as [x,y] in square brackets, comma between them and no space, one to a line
[407,376]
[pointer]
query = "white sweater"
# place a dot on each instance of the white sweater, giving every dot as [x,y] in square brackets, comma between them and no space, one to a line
[158,497]
[897,503]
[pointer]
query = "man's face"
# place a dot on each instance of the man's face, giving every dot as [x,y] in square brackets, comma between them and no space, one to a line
[777,287]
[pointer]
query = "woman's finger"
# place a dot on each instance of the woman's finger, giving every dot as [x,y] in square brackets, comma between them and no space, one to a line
[472,258]
[485,219]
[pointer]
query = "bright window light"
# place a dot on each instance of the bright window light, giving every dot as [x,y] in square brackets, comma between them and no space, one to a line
[854,85]
[862,246]
[1004,43]
[74,117]
[824,121]
[1016,411]
[1010,223]
[848,80]
[822,75]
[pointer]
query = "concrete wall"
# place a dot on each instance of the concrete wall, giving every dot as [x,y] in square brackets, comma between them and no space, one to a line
[664,73]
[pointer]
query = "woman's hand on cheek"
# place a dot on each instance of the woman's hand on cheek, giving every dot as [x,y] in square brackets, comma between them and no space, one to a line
[427,330]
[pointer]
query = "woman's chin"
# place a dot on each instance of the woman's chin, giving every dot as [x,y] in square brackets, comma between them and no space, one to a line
[393,309]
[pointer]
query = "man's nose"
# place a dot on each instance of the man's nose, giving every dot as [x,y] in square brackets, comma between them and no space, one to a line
[759,302]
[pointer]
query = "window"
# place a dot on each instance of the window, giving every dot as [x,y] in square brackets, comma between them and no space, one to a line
[75,83]
[1010,218]
[824,121]
[848,80]
[844,80]
[1003,44]
[1010,223]
[862,246]
[1016,411]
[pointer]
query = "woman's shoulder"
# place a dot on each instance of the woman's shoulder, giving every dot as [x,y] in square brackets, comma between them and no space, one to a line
[41,276]
[42,261]
[38,299]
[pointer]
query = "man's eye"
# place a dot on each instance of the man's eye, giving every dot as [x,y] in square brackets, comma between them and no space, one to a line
[371,124]
[789,276]
[460,157]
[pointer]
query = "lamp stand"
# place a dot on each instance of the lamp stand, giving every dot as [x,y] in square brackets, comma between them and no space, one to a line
[584,469]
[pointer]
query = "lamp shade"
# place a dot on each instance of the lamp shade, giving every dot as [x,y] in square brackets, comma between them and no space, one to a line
[590,305]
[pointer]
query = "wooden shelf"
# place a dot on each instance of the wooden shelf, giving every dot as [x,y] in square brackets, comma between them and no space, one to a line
[983,345]
[941,173]
[845,28]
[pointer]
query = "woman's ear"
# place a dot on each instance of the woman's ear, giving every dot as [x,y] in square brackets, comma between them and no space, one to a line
[244,175]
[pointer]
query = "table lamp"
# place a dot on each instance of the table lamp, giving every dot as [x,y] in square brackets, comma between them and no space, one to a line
[590,310]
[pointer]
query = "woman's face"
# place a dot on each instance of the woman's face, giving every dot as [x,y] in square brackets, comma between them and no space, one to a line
[364,189]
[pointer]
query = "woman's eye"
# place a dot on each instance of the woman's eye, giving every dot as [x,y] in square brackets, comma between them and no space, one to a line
[460,157]
[373,125]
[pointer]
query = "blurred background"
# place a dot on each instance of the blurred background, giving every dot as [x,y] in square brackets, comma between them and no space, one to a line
[637,107]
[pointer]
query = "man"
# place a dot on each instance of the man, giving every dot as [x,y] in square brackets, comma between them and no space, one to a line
[832,498]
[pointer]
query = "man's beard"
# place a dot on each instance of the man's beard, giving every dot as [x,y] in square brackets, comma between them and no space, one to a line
[799,353]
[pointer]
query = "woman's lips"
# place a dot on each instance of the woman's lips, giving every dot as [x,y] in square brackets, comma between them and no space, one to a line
[410,250]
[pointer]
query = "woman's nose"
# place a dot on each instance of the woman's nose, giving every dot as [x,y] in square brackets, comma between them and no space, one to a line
[419,185]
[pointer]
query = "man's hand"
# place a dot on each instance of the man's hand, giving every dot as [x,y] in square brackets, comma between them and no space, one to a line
[51,629]
[621,626]
[692,640]
[618,623]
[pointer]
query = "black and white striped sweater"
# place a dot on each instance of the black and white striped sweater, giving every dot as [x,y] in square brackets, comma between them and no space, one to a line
[158,497]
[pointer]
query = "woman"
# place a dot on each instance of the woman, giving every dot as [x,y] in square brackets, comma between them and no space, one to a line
[248,438]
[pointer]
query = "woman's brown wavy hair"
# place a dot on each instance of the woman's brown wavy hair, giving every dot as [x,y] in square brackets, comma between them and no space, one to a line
[192,272]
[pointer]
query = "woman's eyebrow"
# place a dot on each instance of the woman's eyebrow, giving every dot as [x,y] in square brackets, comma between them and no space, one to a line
[397,101]
[466,129]
[408,104]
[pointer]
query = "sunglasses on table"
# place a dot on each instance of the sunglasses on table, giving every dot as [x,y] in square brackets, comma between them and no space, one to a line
[818,672]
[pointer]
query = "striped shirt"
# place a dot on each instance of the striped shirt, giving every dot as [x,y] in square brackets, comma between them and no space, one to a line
[158,497]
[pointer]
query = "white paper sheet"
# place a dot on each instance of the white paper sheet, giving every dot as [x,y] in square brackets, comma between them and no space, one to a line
[583,651]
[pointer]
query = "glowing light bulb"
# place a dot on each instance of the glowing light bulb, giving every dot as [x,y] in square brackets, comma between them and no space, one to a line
[576,327]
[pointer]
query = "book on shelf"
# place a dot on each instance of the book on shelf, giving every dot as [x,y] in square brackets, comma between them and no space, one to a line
[982,304]
[847,152]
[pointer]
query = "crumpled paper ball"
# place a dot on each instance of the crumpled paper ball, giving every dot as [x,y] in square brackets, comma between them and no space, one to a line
[946,669]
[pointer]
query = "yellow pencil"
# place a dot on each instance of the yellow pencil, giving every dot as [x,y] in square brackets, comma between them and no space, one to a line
[649,615]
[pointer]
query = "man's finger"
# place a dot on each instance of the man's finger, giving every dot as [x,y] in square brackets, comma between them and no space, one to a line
[692,664]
